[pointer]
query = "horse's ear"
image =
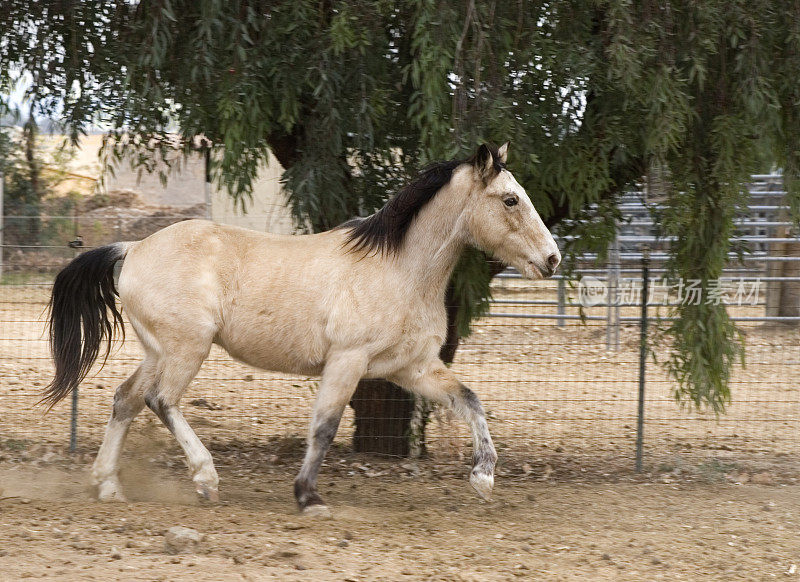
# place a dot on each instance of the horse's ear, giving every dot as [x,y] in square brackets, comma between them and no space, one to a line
[502,152]
[484,162]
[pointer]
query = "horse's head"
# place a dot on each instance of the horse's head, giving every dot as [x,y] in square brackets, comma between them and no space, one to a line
[503,221]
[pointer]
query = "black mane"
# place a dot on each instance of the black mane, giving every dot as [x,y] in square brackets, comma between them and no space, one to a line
[384,231]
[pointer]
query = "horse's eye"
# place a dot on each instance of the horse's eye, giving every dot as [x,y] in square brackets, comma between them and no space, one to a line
[511,201]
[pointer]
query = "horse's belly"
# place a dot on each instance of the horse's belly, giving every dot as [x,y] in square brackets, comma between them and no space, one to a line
[275,362]
[288,348]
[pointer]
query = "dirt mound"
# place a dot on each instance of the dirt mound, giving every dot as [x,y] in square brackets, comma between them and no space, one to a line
[115,198]
[45,243]
[124,216]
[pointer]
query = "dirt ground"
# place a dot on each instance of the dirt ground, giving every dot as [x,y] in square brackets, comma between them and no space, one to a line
[719,499]
[392,520]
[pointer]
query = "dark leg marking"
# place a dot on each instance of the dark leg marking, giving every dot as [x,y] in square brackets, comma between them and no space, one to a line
[123,409]
[471,400]
[305,494]
[126,405]
[305,485]
[157,405]
[484,456]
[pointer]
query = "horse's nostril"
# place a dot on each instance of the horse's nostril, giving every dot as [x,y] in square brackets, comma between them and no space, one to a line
[552,261]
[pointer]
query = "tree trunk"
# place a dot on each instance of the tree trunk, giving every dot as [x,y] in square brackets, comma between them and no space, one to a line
[383,417]
[29,132]
[783,297]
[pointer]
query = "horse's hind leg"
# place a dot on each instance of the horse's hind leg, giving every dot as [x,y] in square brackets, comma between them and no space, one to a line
[176,373]
[128,402]
[339,380]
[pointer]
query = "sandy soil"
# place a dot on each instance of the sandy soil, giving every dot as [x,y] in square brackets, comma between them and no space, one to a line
[392,521]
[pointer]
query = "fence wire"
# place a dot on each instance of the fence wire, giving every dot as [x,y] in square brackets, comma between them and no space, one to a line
[557,376]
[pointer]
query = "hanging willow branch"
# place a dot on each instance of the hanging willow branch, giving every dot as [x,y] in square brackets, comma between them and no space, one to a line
[353,97]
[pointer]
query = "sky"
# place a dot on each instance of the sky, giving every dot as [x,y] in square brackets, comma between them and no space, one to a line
[16,99]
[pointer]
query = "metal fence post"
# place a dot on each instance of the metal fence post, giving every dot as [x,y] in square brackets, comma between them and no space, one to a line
[207,181]
[612,310]
[562,299]
[617,268]
[642,359]
[2,220]
[73,422]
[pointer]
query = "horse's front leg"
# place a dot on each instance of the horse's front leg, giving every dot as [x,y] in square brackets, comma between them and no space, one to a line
[339,380]
[439,383]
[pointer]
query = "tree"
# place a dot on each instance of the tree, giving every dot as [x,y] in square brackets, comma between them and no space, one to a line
[20,166]
[354,97]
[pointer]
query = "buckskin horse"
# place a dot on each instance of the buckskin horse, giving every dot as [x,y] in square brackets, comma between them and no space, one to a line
[364,300]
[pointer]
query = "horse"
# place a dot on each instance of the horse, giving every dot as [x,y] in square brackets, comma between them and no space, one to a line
[363,300]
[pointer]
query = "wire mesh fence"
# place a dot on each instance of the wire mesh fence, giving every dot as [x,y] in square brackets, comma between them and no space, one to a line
[558,370]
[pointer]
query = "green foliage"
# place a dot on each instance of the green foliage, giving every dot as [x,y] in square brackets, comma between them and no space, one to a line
[354,97]
[22,194]
[25,187]
[471,290]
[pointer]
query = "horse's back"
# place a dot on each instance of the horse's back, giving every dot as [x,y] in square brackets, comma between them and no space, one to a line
[204,258]
[260,296]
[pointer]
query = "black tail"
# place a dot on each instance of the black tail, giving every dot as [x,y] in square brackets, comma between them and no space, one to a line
[83,295]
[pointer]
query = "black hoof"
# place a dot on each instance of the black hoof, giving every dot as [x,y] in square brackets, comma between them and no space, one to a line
[306,497]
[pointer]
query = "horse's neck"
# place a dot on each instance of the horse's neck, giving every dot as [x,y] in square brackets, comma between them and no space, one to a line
[434,242]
